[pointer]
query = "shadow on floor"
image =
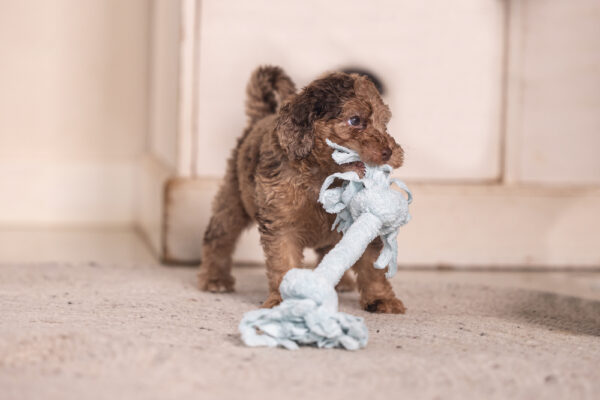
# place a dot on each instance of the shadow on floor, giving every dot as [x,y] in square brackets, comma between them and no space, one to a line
[558,312]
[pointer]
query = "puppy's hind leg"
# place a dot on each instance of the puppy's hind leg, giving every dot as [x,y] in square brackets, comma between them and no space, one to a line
[226,224]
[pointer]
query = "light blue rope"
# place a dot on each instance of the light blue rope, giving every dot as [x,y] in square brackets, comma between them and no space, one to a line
[308,315]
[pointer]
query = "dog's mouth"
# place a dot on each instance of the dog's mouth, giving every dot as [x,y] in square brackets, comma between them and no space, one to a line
[356,166]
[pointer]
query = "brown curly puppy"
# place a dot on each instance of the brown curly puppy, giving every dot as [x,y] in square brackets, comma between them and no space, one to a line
[277,168]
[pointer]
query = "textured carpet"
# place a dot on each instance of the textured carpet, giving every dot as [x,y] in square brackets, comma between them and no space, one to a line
[140,331]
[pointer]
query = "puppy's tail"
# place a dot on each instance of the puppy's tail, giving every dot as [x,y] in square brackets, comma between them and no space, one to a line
[268,87]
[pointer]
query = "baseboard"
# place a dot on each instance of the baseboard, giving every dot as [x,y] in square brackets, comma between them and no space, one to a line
[458,226]
[67,192]
[153,178]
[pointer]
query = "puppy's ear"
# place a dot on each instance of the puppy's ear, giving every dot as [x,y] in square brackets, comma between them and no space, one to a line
[295,126]
[323,99]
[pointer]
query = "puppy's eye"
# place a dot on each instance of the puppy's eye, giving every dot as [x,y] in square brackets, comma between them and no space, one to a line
[355,121]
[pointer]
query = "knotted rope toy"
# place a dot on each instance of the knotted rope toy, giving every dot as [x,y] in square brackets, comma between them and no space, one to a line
[308,315]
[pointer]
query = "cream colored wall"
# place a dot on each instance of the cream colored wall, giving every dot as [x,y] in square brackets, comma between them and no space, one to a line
[73,109]
[103,101]
[496,103]
[553,133]
[164,80]
[444,66]
[441,62]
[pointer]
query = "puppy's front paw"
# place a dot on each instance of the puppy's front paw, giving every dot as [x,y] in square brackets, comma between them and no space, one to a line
[215,283]
[385,306]
[273,300]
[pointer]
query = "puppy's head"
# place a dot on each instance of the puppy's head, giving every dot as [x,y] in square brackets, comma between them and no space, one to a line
[344,108]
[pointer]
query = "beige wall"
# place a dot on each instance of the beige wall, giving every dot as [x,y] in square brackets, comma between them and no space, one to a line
[89,87]
[441,62]
[553,130]
[496,103]
[164,65]
[73,108]
[444,66]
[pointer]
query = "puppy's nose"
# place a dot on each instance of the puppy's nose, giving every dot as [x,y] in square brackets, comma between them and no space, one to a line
[386,154]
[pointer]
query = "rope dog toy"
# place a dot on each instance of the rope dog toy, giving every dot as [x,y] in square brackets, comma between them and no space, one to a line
[308,315]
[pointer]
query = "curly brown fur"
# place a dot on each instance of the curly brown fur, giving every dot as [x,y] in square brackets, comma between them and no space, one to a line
[277,168]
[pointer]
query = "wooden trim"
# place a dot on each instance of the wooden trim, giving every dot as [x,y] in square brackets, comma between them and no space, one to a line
[453,226]
[188,77]
[153,177]
[515,57]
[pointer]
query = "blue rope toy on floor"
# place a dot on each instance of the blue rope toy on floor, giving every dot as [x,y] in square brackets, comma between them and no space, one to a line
[308,315]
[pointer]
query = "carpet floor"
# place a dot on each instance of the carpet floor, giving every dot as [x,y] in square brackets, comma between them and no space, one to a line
[111,331]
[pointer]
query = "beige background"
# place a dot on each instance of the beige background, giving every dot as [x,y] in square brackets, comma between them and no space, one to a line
[441,62]
[498,101]
[73,109]
[554,99]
